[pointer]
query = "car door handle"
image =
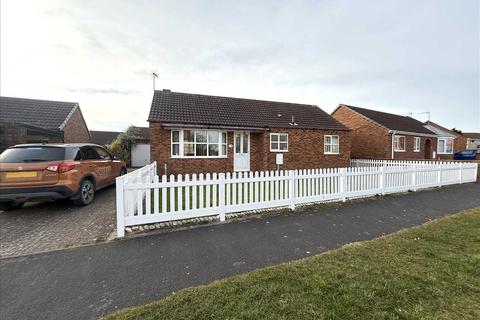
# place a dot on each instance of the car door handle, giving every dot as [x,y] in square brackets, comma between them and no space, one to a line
[91,165]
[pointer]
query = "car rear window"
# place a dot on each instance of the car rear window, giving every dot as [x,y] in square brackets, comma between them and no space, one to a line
[32,154]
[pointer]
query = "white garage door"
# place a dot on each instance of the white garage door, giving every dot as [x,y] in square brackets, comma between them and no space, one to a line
[140,155]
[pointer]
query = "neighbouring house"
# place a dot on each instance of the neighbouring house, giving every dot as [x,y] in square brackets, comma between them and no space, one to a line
[31,120]
[141,150]
[140,155]
[448,141]
[193,133]
[103,138]
[381,135]
[473,140]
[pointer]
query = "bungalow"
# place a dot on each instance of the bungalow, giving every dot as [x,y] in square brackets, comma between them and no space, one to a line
[192,133]
[381,135]
[32,120]
[448,141]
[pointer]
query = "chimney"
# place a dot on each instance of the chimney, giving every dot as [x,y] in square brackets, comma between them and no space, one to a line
[293,123]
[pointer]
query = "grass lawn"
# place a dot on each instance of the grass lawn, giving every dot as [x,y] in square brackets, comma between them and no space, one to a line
[429,272]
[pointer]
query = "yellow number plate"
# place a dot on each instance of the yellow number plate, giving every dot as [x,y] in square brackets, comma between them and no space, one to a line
[21,174]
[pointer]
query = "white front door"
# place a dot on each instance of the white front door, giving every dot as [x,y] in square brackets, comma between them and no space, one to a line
[241,157]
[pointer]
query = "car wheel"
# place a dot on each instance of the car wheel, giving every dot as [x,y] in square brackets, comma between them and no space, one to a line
[86,193]
[7,206]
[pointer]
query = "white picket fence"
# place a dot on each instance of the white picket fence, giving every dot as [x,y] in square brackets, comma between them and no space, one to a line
[394,163]
[143,198]
[124,203]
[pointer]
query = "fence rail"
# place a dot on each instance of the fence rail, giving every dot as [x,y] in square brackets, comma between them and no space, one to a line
[142,197]
[395,163]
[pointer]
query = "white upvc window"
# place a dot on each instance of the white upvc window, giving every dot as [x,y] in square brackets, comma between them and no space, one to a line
[416,144]
[279,142]
[445,146]
[399,143]
[198,143]
[331,144]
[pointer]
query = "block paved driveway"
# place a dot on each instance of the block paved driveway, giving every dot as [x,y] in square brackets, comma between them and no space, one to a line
[54,225]
[91,281]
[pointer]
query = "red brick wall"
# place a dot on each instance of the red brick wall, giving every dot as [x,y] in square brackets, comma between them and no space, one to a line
[305,150]
[409,154]
[76,130]
[368,139]
[460,143]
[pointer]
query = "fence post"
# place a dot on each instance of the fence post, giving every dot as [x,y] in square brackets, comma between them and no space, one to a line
[440,174]
[414,178]
[475,172]
[382,180]
[291,189]
[342,184]
[120,207]
[221,195]
[460,172]
[154,171]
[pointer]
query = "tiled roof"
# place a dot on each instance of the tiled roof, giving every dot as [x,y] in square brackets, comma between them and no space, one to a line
[440,132]
[472,135]
[107,137]
[196,109]
[392,121]
[42,113]
[103,137]
[144,133]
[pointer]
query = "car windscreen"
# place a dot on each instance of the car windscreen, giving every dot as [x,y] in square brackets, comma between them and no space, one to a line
[32,154]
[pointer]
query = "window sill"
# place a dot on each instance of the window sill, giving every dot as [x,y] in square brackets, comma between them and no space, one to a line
[332,153]
[445,153]
[400,150]
[416,151]
[200,157]
[278,151]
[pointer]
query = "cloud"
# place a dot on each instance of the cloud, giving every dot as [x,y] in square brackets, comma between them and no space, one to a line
[397,56]
[104,91]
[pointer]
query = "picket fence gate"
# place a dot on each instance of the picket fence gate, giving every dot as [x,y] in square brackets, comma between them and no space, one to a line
[143,197]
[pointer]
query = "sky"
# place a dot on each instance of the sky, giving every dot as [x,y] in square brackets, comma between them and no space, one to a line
[394,56]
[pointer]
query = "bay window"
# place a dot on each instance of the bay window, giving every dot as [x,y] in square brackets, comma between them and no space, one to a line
[198,144]
[445,146]
[331,144]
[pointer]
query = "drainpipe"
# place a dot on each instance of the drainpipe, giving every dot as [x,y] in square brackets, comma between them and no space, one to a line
[393,140]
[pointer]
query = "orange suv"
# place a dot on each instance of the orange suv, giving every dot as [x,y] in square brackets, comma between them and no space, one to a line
[30,172]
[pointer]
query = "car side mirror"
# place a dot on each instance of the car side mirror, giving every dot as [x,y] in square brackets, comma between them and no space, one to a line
[115,158]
